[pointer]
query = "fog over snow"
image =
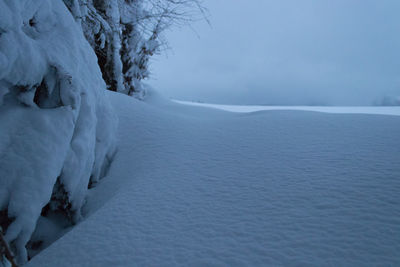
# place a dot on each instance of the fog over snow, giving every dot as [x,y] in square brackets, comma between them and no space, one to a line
[312,52]
[90,177]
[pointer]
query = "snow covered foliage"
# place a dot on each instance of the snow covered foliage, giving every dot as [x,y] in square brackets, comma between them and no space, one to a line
[57,126]
[125,34]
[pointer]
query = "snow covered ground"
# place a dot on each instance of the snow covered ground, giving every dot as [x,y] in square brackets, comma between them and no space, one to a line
[393,110]
[194,186]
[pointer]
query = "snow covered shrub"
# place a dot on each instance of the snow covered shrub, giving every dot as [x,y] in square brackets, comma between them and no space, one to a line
[125,34]
[56,123]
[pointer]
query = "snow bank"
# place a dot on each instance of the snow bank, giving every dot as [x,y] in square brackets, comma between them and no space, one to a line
[56,122]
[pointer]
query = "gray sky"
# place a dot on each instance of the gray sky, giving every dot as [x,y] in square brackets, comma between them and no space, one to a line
[285,52]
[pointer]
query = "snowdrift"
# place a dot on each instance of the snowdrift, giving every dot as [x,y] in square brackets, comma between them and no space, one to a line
[57,126]
[193,186]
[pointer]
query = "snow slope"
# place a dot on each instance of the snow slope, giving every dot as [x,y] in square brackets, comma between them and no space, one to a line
[203,187]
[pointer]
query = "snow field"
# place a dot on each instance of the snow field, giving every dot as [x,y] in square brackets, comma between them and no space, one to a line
[379,110]
[195,186]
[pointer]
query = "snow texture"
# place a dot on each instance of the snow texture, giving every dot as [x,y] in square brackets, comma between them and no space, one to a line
[192,186]
[56,121]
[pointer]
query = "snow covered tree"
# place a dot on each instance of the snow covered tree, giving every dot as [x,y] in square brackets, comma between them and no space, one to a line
[125,34]
[58,128]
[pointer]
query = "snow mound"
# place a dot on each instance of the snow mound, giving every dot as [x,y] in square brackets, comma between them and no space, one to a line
[56,123]
[201,187]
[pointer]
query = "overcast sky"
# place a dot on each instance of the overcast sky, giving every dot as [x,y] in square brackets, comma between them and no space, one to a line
[286,52]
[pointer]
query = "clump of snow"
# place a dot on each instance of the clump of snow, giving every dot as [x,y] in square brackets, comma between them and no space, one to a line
[56,122]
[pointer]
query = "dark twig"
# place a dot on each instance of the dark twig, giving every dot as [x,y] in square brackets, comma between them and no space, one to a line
[5,250]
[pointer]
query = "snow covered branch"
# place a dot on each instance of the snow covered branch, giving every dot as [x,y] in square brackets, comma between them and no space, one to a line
[125,34]
[58,127]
